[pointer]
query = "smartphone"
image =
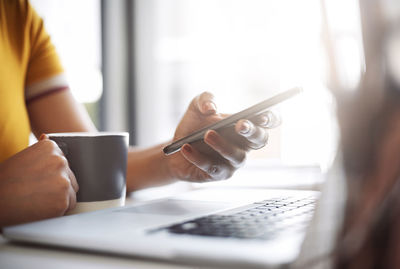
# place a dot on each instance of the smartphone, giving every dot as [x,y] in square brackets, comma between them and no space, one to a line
[232,119]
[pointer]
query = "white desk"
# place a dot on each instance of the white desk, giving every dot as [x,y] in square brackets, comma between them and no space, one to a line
[27,256]
[22,256]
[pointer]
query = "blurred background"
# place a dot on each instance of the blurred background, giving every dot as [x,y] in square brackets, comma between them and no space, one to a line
[136,65]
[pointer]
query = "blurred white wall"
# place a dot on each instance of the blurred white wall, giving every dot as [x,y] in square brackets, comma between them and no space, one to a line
[243,51]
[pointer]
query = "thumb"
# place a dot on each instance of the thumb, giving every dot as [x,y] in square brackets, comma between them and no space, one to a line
[43,137]
[204,103]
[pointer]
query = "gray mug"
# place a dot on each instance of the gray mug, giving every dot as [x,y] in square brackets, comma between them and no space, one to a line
[98,161]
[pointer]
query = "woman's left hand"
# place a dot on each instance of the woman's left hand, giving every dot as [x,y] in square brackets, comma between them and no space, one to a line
[219,154]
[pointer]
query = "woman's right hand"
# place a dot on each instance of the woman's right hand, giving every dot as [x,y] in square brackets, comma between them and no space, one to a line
[35,184]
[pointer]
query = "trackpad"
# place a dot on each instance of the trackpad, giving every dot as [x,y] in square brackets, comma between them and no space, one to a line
[173,207]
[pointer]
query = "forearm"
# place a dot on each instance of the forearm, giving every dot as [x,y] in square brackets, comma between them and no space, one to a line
[147,168]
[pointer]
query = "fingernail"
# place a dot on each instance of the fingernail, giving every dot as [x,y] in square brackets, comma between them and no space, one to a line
[265,120]
[273,120]
[187,148]
[212,137]
[245,127]
[42,137]
[209,107]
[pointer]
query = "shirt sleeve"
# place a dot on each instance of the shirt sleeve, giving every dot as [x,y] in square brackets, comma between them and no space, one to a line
[44,71]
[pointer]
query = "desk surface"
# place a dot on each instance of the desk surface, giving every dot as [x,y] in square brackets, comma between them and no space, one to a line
[22,256]
[28,256]
[35,257]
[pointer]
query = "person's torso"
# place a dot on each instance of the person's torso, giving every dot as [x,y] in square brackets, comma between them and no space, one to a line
[14,57]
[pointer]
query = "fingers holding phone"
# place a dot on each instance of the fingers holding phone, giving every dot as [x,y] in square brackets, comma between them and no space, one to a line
[233,142]
[213,145]
[195,116]
[221,152]
[255,131]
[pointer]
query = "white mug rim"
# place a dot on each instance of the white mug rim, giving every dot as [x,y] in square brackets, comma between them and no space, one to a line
[88,134]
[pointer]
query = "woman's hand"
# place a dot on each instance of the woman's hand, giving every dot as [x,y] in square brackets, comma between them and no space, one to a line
[35,184]
[222,152]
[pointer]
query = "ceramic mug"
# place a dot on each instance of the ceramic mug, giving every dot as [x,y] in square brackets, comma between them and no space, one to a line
[98,161]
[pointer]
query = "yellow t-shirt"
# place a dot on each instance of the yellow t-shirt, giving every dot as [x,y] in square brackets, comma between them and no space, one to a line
[29,67]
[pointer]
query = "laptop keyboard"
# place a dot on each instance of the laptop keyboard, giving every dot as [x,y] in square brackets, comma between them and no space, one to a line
[266,220]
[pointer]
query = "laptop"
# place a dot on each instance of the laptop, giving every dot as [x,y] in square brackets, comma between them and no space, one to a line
[265,228]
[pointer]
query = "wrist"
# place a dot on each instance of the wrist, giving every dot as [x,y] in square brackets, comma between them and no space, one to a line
[148,168]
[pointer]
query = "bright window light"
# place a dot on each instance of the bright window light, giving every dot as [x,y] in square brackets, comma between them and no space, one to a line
[74,27]
[244,51]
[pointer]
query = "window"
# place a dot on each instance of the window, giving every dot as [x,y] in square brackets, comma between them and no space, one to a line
[74,27]
[243,51]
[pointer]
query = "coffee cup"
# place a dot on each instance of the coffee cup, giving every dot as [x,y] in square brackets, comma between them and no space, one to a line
[98,161]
